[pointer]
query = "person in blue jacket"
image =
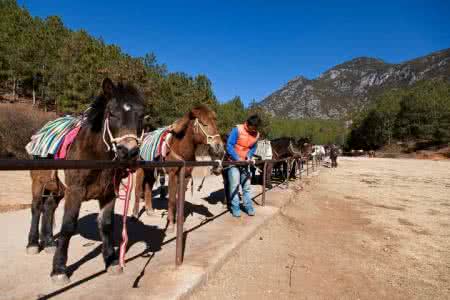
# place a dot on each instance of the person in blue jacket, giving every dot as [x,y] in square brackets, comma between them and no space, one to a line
[241,146]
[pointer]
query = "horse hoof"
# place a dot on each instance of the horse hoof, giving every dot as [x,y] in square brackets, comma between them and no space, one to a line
[32,250]
[115,270]
[149,212]
[50,249]
[60,279]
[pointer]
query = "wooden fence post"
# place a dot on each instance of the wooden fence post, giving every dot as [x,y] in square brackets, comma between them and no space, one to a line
[180,216]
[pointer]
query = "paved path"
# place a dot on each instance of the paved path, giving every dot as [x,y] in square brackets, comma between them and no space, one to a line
[212,235]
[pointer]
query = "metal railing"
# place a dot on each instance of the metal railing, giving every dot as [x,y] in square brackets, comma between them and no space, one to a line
[18,165]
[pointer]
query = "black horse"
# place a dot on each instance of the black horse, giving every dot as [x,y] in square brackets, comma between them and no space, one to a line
[112,131]
[284,147]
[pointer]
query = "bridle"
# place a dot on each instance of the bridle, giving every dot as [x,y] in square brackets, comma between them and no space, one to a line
[115,140]
[209,138]
[209,141]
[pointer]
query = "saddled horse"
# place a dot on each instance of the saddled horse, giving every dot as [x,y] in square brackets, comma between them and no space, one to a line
[304,145]
[284,147]
[111,130]
[196,127]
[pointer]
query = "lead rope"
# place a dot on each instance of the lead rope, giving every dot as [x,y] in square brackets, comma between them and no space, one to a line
[128,187]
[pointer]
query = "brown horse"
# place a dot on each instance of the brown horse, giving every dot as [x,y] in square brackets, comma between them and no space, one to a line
[197,127]
[112,130]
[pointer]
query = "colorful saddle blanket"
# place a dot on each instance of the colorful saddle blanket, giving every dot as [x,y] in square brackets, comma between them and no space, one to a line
[55,137]
[154,145]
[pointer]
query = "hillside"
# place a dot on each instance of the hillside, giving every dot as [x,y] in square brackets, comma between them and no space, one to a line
[348,86]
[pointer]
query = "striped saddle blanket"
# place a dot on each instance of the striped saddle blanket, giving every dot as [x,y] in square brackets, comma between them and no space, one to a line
[54,137]
[154,144]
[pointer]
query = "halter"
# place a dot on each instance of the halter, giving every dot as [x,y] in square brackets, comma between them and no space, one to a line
[114,140]
[209,138]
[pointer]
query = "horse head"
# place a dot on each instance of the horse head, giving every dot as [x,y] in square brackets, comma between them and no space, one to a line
[201,122]
[122,117]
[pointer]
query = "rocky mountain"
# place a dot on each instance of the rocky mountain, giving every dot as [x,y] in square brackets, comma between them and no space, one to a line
[349,86]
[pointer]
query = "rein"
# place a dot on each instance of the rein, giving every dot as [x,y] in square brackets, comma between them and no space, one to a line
[128,187]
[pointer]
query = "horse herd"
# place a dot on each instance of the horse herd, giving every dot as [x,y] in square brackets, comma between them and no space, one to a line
[113,130]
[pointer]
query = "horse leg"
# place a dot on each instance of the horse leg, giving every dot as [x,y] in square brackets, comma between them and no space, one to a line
[36,209]
[173,182]
[68,228]
[148,187]
[47,239]
[162,183]
[294,169]
[105,223]
[269,175]
[138,192]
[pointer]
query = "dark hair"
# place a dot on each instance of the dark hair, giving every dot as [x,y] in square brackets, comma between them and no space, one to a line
[254,120]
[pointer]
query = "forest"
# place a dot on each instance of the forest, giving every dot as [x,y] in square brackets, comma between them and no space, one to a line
[56,69]
[60,70]
[419,113]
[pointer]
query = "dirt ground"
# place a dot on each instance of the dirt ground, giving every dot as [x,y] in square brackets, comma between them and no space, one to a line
[370,229]
[15,192]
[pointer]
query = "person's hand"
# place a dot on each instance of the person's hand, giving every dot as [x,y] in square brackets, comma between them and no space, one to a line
[252,161]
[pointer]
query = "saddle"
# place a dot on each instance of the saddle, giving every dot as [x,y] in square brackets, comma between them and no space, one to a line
[53,141]
[154,146]
[54,138]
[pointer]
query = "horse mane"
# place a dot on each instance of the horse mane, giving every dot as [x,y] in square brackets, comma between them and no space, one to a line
[96,112]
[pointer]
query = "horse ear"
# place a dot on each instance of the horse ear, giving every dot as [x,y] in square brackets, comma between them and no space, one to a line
[181,124]
[108,87]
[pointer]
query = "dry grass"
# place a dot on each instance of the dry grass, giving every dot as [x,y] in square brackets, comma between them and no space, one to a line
[17,123]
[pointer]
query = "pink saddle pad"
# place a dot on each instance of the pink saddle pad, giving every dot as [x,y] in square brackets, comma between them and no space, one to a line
[68,140]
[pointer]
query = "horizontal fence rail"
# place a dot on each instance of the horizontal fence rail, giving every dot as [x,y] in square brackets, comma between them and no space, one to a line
[48,164]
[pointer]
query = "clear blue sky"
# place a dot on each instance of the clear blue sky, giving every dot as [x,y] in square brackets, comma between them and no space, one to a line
[251,48]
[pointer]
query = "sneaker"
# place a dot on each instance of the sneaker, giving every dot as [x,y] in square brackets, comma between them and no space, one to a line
[236,214]
[250,212]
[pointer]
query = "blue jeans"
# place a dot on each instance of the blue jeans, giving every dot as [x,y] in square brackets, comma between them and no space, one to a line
[239,176]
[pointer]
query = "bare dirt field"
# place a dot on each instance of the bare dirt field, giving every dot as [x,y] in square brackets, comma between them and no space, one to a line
[371,229]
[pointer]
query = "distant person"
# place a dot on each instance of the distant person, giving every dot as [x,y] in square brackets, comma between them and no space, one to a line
[334,152]
[241,146]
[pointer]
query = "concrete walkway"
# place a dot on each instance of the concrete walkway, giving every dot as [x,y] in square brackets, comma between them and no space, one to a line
[150,273]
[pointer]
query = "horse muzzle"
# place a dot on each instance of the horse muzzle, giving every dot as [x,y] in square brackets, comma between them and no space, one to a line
[123,153]
[216,151]
[128,149]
